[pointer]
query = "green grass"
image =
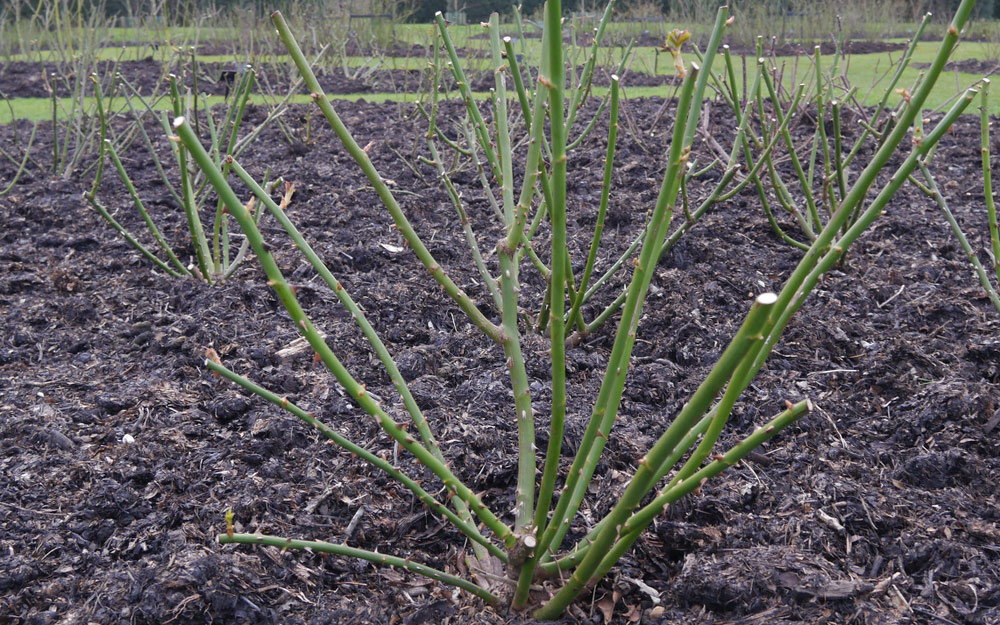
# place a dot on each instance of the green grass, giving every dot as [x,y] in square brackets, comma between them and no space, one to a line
[864,71]
[644,57]
[126,53]
[172,33]
[41,108]
[128,35]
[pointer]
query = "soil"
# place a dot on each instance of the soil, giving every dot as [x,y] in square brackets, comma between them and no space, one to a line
[352,47]
[121,453]
[647,39]
[970,66]
[27,80]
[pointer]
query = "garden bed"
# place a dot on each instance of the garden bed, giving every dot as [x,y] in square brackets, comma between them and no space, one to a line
[26,80]
[121,453]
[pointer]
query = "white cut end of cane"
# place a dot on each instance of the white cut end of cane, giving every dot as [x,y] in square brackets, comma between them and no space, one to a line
[614,77]
[767,299]
[128,439]
[178,121]
[695,67]
[506,39]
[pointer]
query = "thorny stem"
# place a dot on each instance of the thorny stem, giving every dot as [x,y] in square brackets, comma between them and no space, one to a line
[456,200]
[195,228]
[351,386]
[583,89]
[796,164]
[737,366]
[802,281]
[991,208]
[23,165]
[820,260]
[714,197]
[576,554]
[515,72]
[609,396]
[868,176]
[362,554]
[178,269]
[935,193]
[890,88]
[381,188]
[609,161]
[479,125]
[524,497]
[642,481]
[467,528]
[554,83]
[638,522]
[356,313]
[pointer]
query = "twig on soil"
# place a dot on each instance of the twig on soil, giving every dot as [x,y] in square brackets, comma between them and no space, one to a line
[933,616]
[894,296]
[353,525]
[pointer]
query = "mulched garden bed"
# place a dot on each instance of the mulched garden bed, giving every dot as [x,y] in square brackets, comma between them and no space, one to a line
[148,76]
[120,452]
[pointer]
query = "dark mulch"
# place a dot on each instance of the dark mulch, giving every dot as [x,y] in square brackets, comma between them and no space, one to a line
[120,452]
[148,76]
[983,67]
[352,47]
[648,39]
[27,79]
